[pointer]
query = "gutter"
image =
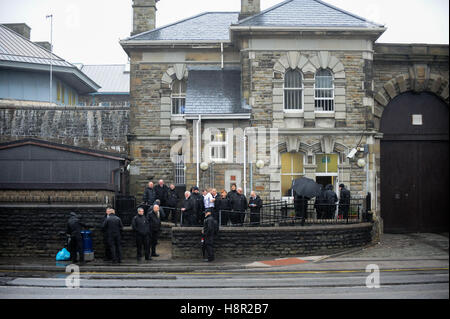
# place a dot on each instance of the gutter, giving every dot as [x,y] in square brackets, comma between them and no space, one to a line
[244,116]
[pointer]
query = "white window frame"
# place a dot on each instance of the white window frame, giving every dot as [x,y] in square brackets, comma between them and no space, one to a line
[227,143]
[332,99]
[302,93]
[177,96]
[326,164]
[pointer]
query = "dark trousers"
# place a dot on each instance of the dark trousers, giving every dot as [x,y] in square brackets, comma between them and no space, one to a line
[235,217]
[173,214]
[209,248]
[107,248]
[189,219]
[76,248]
[143,241]
[154,242]
[115,247]
[254,217]
[224,217]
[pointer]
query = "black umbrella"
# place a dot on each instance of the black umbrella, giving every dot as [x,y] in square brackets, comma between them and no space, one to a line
[306,187]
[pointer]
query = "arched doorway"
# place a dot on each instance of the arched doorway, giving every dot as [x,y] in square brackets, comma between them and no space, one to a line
[414,164]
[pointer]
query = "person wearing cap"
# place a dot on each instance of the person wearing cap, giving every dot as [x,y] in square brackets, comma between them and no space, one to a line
[74,227]
[210,230]
[199,206]
[344,201]
[113,227]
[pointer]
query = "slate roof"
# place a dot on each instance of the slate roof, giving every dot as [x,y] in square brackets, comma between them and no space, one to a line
[14,47]
[214,91]
[208,26]
[306,13]
[113,78]
[19,52]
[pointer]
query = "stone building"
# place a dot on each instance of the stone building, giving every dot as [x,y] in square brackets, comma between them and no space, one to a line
[295,88]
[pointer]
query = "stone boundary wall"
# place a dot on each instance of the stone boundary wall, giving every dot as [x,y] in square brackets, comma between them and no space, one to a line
[93,127]
[273,241]
[33,230]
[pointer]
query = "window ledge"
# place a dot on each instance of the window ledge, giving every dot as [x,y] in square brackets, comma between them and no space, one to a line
[293,113]
[325,114]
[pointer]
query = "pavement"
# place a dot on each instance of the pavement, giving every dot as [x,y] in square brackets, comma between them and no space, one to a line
[393,252]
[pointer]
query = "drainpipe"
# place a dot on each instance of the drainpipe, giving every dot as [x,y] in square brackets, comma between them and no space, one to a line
[221,53]
[198,149]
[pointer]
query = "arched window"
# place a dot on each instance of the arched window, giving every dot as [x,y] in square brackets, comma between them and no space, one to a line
[324,91]
[178,97]
[293,90]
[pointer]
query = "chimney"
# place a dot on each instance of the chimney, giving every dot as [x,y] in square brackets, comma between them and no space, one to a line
[249,8]
[44,44]
[20,28]
[144,16]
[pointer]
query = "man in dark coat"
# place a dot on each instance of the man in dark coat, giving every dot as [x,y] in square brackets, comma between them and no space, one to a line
[141,225]
[74,228]
[155,225]
[344,201]
[255,204]
[199,206]
[239,206]
[113,227]
[320,203]
[301,207]
[149,195]
[210,230]
[187,210]
[330,201]
[161,192]
[108,256]
[172,203]
[223,208]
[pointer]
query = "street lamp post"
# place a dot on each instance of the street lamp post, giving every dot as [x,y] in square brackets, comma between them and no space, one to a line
[51,57]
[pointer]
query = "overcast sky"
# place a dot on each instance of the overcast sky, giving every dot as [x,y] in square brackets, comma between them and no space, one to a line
[88,31]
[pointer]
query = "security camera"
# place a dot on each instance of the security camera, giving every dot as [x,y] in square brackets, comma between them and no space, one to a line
[352,153]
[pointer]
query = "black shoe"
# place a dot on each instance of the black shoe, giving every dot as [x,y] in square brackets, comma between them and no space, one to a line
[155,255]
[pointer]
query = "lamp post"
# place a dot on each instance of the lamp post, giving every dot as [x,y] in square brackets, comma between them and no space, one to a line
[51,57]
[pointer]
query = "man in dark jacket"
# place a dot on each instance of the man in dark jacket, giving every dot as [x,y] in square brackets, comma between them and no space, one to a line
[74,228]
[320,203]
[161,192]
[113,227]
[344,201]
[210,230]
[199,206]
[149,195]
[141,225]
[188,214]
[239,206]
[255,204]
[172,203]
[223,208]
[155,225]
[108,256]
[301,207]
[330,201]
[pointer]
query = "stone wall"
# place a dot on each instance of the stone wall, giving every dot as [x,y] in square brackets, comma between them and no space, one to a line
[99,128]
[273,241]
[33,230]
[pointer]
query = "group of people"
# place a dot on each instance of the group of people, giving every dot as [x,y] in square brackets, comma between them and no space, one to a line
[228,207]
[325,203]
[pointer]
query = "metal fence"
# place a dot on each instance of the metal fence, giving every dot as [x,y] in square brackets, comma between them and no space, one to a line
[273,213]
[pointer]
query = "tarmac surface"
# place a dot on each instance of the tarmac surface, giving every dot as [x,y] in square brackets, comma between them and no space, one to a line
[394,251]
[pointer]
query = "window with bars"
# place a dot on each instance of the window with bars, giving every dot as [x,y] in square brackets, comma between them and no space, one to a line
[324,91]
[178,97]
[293,90]
[180,175]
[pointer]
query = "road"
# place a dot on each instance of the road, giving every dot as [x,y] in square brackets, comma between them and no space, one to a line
[431,283]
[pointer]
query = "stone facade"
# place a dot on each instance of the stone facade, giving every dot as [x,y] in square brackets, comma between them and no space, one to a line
[273,242]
